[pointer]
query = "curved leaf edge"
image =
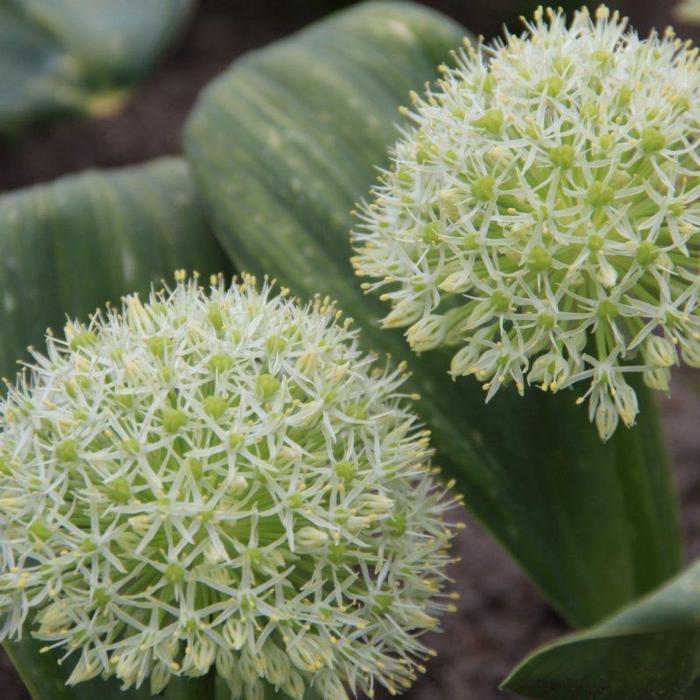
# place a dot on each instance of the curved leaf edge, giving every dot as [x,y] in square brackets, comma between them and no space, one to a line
[673,608]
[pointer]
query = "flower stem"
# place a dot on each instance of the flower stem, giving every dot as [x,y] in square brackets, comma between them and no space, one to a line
[202,688]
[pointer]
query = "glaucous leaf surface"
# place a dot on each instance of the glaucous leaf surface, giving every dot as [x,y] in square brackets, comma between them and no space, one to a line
[648,650]
[281,146]
[72,245]
[66,248]
[78,56]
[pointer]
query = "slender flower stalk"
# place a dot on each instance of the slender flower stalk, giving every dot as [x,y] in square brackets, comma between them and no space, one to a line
[542,214]
[221,479]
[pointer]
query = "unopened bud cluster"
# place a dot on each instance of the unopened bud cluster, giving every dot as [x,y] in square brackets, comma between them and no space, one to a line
[221,479]
[542,215]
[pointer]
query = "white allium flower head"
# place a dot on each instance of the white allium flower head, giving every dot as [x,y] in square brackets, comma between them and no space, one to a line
[542,214]
[221,478]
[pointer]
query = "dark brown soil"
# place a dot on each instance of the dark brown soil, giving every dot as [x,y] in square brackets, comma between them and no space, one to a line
[501,617]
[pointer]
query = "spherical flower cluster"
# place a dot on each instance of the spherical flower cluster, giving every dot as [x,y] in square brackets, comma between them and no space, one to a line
[542,213]
[221,479]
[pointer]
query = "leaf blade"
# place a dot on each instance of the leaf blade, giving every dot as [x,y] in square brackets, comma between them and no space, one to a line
[281,147]
[58,246]
[64,57]
[649,650]
[74,244]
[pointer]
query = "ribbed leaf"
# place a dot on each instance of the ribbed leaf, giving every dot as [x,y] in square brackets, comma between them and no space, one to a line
[45,680]
[281,146]
[67,248]
[688,11]
[78,56]
[72,245]
[649,651]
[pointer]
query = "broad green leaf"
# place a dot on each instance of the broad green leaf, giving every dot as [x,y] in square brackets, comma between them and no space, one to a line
[281,147]
[67,248]
[45,680]
[649,651]
[688,11]
[81,241]
[78,56]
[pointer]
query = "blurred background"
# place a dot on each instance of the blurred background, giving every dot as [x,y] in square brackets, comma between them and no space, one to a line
[500,617]
[221,30]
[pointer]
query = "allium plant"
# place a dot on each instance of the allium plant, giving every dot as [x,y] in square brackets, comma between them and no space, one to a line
[221,479]
[541,215]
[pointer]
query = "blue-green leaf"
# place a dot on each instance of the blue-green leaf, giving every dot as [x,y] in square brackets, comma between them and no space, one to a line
[649,651]
[67,248]
[281,147]
[81,241]
[78,56]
